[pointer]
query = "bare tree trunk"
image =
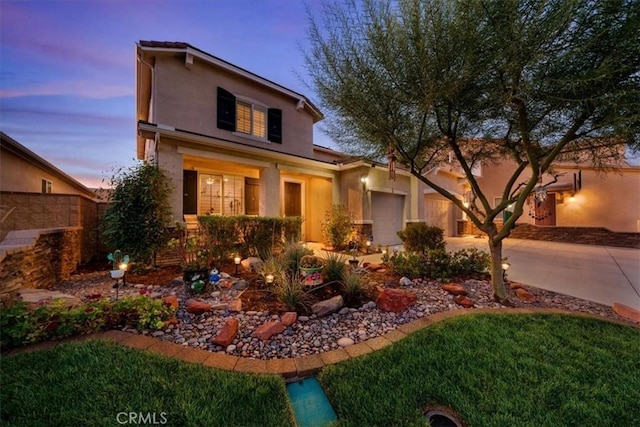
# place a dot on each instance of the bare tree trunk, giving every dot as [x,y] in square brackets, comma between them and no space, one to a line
[497,282]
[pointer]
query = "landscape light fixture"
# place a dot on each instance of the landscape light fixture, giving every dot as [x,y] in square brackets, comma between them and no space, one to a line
[505,267]
[368,245]
[236,260]
[269,278]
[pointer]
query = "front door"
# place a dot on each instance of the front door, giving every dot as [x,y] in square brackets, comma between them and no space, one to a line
[189,192]
[292,199]
[545,213]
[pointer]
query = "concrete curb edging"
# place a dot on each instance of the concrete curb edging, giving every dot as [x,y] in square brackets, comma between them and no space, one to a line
[291,368]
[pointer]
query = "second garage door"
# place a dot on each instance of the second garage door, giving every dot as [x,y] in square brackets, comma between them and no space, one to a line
[387,213]
[437,213]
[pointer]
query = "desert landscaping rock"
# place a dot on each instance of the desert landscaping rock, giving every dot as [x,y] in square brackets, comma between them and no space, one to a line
[344,342]
[395,300]
[326,307]
[454,289]
[197,307]
[360,323]
[405,281]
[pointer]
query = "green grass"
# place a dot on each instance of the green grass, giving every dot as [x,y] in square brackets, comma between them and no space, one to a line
[497,370]
[89,383]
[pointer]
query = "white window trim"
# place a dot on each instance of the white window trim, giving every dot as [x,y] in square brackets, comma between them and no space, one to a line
[49,185]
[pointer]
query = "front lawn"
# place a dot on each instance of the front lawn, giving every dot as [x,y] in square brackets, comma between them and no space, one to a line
[98,383]
[497,370]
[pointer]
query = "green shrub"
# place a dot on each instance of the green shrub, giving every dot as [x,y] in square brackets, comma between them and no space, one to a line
[248,235]
[407,264]
[353,285]
[292,255]
[337,226]
[20,325]
[420,238]
[471,262]
[439,265]
[334,266]
[290,291]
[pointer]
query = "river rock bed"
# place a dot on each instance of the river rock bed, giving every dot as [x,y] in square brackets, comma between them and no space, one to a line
[312,335]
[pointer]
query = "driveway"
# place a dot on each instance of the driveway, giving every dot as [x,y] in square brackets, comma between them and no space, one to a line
[602,274]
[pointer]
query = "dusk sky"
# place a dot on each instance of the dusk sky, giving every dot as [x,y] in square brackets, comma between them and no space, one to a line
[67,67]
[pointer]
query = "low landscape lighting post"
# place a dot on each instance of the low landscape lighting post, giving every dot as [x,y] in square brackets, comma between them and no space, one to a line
[236,261]
[269,278]
[505,267]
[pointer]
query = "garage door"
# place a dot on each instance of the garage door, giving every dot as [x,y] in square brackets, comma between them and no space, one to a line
[437,213]
[387,213]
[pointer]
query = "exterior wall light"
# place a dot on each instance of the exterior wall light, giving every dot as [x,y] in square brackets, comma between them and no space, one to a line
[572,198]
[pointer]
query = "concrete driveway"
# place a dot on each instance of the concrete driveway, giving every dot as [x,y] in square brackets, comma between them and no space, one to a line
[602,274]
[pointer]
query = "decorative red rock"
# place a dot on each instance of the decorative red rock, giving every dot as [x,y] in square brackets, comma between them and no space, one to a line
[395,300]
[171,301]
[197,307]
[454,288]
[269,329]
[466,302]
[289,318]
[172,321]
[524,295]
[515,285]
[227,333]
[235,305]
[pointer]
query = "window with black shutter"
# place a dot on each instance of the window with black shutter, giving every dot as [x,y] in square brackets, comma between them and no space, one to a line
[226,110]
[274,120]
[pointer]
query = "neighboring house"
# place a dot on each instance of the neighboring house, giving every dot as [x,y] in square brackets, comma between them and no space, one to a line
[581,197]
[234,143]
[35,194]
[24,171]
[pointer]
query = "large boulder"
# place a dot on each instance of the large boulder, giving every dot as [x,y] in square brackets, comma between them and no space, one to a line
[454,289]
[227,333]
[395,300]
[197,307]
[327,306]
[464,301]
[269,329]
[289,318]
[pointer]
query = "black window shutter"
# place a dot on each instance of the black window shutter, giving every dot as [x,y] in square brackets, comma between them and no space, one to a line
[274,123]
[226,110]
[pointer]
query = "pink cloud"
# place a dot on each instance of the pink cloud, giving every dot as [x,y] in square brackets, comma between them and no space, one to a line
[83,88]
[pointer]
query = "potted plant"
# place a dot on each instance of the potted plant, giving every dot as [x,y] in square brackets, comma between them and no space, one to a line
[195,256]
[311,266]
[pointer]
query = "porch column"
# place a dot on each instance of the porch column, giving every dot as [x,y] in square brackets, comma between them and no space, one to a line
[171,162]
[336,194]
[269,181]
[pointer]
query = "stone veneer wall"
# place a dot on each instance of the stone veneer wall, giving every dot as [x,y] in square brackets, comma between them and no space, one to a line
[38,258]
[582,235]
[38,211]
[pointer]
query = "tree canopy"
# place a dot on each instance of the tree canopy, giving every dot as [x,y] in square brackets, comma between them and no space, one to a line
[532,81]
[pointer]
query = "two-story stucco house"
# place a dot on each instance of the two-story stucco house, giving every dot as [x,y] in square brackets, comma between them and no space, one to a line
[236,143]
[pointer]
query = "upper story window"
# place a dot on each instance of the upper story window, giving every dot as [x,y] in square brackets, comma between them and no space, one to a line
[251,119]
[47,186]
[238,115]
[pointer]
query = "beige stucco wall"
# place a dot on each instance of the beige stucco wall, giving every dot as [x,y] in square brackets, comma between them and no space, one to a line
[171,162]
[609,200]
[18,175]
[186,98]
